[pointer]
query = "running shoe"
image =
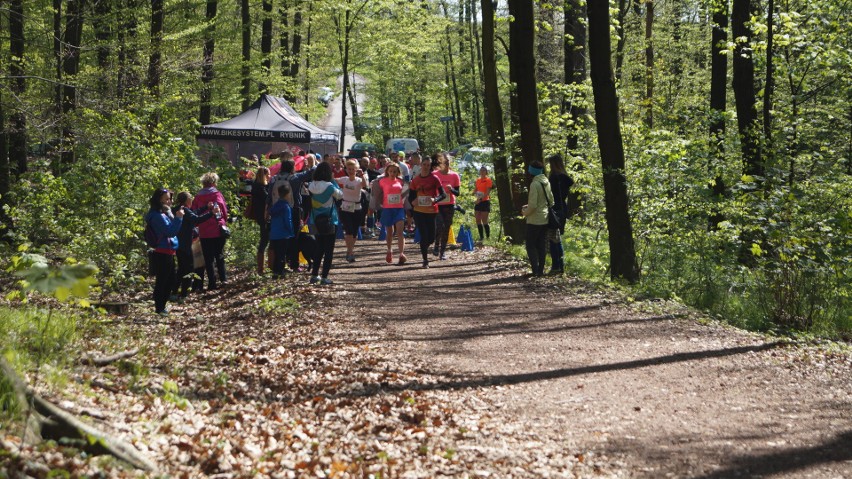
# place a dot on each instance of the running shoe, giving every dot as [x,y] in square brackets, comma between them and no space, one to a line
[389,257]
[402,259]
[425,263]
[326,281]
[350,258]
[163,313]
[443,257]
[314,279]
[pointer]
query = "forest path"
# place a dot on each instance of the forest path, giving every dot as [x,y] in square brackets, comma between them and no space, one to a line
[651,395]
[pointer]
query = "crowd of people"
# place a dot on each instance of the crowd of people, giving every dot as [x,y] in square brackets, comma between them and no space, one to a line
[299,209]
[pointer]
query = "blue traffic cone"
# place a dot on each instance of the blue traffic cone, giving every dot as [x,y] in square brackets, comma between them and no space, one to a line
[467,243]
[460,235]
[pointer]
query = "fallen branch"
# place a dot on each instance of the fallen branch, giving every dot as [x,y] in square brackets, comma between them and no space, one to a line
[51,422]
[105,360]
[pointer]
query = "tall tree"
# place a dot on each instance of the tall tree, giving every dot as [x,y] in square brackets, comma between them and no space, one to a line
[649,63]
[743,85]
[102,24]
[127,52]
[156,56]
[207,62]
[18,120]
[574,46]
[622,252]
[71,66]
[266,46]
[496,132]
[522,63]
[475,68]
[718,93]
[575,75]
[769,85]
[450,65]
[245,70]
[345,25]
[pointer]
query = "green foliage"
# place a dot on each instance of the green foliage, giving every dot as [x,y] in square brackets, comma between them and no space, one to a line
[279,306]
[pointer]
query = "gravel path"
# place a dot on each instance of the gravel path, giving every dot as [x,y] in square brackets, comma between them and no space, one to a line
[582,374]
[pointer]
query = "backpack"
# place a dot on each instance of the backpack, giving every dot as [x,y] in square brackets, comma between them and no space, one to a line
[151,238]
[277,181]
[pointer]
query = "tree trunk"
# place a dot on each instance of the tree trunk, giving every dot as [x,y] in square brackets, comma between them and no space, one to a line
[622,38]
[18,120]
[743,85]
[522,62]
[245,71]
[71,66]
[496,133]
[155,60]
[5,174]
[649,63]
[718,97]
[57,54]
[103,37]
[296,49]
[475,77]
[207,63]
[574,46]
[456,103]
[575,75]
[266,47]
[127,54]
[769,87]
[621,248]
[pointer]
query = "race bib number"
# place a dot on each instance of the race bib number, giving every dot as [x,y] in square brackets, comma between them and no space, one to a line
[395,199]
[424,201]
[352,186]
[349,207]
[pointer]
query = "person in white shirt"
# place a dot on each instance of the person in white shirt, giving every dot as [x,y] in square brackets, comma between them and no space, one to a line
[352,211]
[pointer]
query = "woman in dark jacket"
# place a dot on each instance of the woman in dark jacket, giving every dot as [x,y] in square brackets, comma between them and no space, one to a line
[259,214]
[184,250]
[165,225]
[560,185]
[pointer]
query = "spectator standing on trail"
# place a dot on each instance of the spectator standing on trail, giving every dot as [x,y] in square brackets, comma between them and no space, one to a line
[184,250]
[211,231]
[165,226]
[451,181]
[482,191]
[324,191]
[429,192]
[560,184]
[351,214]
[535,212]
[281,228]
[391,190]
[259,196]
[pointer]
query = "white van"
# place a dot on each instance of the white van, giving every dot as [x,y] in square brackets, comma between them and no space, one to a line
[408,145]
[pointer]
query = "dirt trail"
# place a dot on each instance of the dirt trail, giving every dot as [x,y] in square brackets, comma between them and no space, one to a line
[652,395]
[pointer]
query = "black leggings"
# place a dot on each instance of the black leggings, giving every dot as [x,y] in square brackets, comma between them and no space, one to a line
[164,271]
[324,252]
[185,268]
[214,259]
[426,226]
[442,229]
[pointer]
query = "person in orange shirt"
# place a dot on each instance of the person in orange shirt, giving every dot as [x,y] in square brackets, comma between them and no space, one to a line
[482,190]
[429,192]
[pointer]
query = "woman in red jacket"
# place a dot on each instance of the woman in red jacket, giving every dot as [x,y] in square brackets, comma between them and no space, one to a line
[212,231]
